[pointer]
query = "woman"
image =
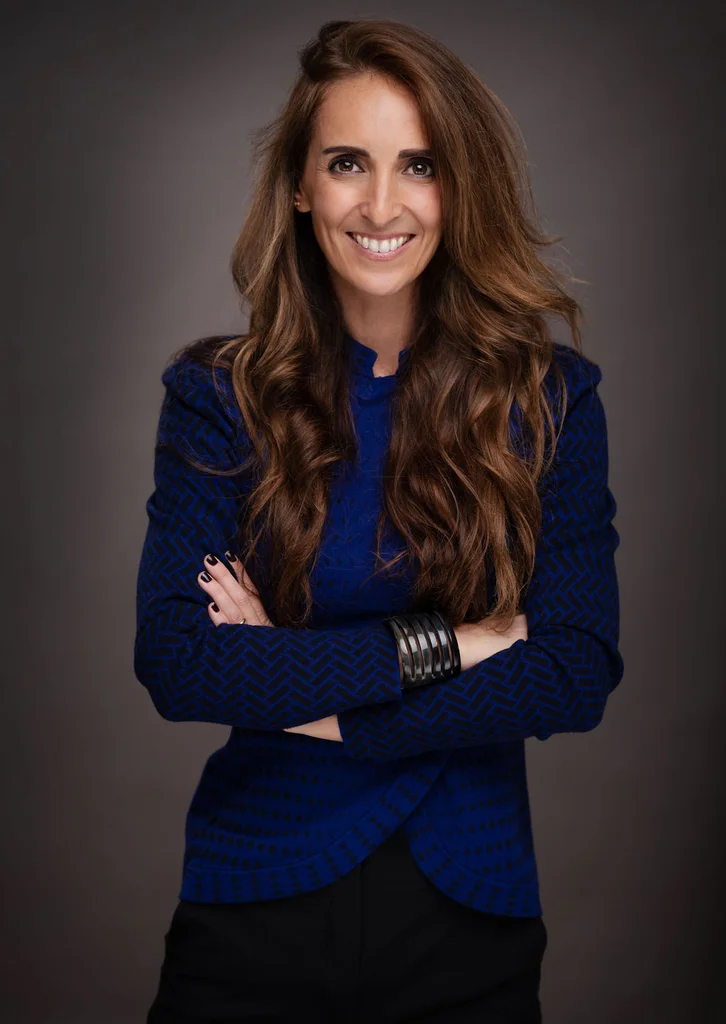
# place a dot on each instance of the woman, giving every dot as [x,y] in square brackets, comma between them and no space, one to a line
[361,847]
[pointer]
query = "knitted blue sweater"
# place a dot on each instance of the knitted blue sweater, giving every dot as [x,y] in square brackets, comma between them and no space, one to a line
[277,813]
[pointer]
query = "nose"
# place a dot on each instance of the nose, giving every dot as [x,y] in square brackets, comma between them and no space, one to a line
[382,204]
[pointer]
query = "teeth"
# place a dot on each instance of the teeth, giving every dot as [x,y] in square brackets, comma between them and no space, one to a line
[386,245]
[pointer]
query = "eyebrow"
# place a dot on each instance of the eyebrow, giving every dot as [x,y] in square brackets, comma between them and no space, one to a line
[357,151]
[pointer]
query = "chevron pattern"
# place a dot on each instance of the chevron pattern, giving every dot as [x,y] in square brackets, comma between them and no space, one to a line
[278,813]
[252,677]
[559,679]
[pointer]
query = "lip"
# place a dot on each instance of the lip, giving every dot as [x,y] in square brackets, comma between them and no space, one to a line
[381,255]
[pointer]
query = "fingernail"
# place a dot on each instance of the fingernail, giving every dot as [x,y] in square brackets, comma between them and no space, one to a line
[214,606]
[206,577]
[230,556]
[211,559]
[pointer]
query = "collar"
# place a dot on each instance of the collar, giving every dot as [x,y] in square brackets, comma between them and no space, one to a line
[362,359]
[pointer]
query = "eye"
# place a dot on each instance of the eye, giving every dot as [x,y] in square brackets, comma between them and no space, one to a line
[350,160]
[342,160]
[423,163]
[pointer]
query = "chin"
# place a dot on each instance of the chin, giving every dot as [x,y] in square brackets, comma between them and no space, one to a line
[380,288]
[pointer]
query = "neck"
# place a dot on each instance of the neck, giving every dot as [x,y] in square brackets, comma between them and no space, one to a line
[381,322]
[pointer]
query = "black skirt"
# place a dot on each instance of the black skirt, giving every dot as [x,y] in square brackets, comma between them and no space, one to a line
[380,944]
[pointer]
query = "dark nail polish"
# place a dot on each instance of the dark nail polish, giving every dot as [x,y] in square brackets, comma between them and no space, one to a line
[212,560]
[230,556]
[214,606]
[206,577]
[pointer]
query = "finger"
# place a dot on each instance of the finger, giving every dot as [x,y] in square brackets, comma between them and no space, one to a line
[216,614]
[241,588]
[243,577]
[240,571]
[233,608]
[246,604]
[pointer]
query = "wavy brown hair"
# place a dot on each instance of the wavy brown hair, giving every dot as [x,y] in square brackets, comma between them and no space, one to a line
[462,495]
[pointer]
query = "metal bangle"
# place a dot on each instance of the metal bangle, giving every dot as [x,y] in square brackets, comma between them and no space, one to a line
[428,647]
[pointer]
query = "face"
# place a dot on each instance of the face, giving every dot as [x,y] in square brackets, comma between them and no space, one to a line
[379,194]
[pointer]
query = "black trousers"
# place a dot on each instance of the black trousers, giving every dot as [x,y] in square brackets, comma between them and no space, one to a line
[381,945]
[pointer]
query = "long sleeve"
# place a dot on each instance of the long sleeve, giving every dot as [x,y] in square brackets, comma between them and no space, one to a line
[559,679]
[258,677]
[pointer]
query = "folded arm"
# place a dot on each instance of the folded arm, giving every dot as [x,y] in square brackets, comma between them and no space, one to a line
[257,677]
[559,679]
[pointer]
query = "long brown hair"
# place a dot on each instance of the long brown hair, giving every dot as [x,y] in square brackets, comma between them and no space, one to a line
[462,495]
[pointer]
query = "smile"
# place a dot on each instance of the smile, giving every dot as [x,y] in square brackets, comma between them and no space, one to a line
[372,254]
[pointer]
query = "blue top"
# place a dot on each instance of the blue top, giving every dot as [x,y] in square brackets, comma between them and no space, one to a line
[277,813]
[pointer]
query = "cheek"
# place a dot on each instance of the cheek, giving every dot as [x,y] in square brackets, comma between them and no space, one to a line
[429,213]
[331,207]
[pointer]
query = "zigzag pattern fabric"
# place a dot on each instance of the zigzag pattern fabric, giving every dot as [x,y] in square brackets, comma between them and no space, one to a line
[279,813]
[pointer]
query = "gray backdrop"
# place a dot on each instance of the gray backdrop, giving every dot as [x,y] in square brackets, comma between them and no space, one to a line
[125,138]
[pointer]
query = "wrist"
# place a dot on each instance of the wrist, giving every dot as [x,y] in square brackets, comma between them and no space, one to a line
[479,641]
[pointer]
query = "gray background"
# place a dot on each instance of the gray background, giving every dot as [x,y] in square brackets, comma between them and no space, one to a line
[126,134]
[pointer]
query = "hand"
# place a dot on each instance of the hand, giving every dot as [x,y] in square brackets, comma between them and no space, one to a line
[234,602]
[228,593]
[488,626]
[479,640]
[323,729]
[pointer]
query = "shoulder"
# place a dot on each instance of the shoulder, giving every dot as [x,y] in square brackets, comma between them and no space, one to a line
[192,380]
[581,375]
[200,413]
[189,379]
[580,371]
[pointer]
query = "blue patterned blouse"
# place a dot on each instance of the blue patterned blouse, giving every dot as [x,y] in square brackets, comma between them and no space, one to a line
[277,813]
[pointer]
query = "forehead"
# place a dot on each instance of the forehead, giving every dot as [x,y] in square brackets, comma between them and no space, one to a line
[367,110]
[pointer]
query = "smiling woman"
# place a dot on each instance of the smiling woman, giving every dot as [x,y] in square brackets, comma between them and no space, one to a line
[373,193]
[398,400]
